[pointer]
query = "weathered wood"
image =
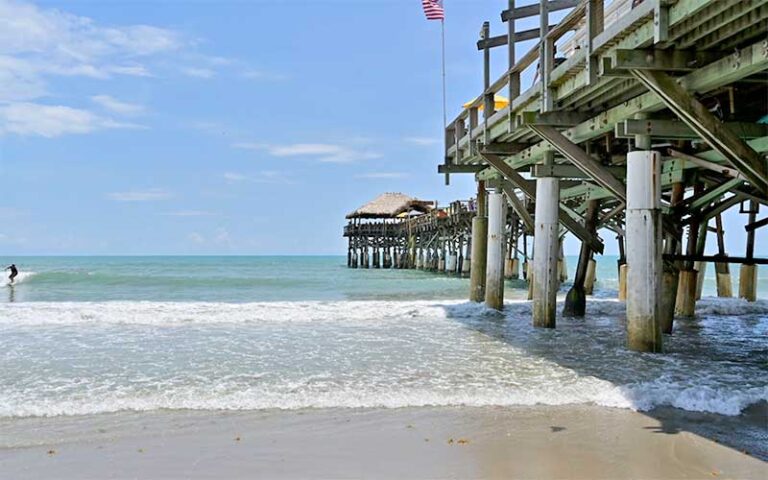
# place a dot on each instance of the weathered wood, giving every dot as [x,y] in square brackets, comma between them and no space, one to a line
[527,188]
[710,129]
[581,160]
[501,40]
[533,10]
[715,259]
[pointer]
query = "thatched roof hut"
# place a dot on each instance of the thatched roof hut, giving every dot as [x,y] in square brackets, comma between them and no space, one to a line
[390,205]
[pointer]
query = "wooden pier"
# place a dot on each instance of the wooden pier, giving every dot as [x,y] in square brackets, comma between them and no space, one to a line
[646,119]
[398,231]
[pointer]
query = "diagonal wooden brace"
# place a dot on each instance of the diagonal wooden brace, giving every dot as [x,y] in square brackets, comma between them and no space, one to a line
[530,191]
[581,160]
[709,128]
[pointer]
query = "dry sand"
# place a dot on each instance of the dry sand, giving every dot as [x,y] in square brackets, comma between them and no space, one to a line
[526,442]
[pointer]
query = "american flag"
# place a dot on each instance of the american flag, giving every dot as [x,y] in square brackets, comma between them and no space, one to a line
[433,9]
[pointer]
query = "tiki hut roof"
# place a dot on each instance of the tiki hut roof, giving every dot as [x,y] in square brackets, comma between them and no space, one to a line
[390,205]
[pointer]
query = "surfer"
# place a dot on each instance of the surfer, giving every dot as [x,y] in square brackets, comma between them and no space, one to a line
[14,272]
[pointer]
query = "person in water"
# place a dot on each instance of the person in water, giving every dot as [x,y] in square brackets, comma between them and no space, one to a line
[14,272]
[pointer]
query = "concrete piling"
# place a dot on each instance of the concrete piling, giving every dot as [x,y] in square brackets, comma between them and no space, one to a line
[546,249]
[643,237]
[494,279]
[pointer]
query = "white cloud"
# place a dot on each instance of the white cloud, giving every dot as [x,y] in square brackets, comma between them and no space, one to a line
[263,75]
[195,237]
[190,213]
[382,175]
[321,152]
[421,141]
[198,72]
[52,120]
[150,195]
[37,42]
[234,177]
[264,176]
[115,105]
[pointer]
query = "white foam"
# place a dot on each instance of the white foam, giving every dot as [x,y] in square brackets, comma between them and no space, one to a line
[587,391]
[181,313]
[21,277]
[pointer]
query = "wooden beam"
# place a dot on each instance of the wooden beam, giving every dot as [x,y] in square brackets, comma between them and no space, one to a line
[453,168]
[675,129]
[501,40]
[529,189]
[666,60]
[581,160]
[505,148]
[715,259]
[758,224]
[533,10]
[706,164]
[517,206]
[571,171]
[709,128]
[554,118]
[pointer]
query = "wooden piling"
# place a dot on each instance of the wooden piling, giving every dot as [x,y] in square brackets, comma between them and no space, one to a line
[479,248]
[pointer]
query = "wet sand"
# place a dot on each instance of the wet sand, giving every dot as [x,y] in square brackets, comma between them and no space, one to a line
[524,442]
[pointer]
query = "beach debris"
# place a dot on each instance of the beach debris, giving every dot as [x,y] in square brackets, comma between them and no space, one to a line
[463,441]
[426,439]
[450,441]
[51,452]
[237,439]
[409,426]
[140,450]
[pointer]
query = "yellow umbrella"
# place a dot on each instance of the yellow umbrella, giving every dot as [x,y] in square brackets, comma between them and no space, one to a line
[498,101]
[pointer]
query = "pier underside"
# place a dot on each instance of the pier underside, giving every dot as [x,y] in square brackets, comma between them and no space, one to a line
[651,126]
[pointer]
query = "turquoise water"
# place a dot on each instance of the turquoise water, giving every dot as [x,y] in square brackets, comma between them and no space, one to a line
[251,279]
[88,335]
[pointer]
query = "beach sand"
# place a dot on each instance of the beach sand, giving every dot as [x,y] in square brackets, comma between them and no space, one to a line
[460,442]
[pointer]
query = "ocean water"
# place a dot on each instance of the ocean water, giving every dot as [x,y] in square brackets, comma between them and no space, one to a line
[89,335]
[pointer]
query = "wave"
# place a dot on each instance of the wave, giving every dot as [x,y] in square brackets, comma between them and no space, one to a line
[181,313]
[20,278]
[588,391]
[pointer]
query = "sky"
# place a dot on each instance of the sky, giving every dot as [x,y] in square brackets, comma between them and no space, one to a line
[225,127]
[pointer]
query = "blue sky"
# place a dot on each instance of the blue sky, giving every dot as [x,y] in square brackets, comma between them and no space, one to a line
[226,127]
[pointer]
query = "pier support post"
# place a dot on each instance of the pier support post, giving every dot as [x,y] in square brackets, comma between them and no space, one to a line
[748,273]
[576,299]
[622,269]
[643,219]
[467,265]
[494,279]
[722,270]
[589,281]
[671,271]
[546,249]
[479,246]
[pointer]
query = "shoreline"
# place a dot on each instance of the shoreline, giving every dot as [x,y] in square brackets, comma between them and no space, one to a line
[575,441]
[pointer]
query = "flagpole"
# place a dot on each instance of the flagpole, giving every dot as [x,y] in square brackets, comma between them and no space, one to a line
[442,33]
